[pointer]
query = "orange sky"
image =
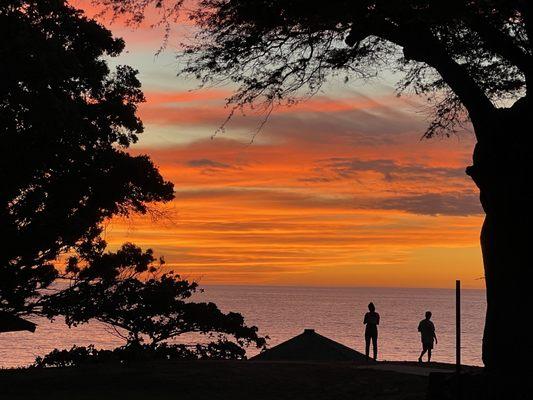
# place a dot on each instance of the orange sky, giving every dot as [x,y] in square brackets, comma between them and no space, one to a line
[338,190]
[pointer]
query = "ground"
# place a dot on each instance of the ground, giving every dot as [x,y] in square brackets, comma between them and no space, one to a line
[211,380]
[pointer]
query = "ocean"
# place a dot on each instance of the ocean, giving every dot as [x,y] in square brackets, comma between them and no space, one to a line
[283,312]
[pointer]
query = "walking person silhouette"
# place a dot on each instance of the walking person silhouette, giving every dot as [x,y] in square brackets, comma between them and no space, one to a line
[371,331]
[427,333]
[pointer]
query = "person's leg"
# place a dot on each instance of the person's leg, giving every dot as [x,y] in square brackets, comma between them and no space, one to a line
[422,354]
[429,355]
[375,346]
[367,346]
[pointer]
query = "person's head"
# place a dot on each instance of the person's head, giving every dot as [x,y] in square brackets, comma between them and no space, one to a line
[372,307]
[428,314]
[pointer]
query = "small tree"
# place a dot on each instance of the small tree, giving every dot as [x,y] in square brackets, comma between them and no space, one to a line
[66,121]
[129,290]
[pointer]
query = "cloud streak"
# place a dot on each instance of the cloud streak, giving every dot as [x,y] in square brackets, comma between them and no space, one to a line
[338,190]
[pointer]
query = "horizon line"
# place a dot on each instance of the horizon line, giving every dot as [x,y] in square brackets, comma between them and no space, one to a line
[200,285]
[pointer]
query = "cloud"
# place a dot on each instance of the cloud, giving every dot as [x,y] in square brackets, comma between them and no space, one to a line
[390,169]
[186,97]
[337,189]
[204,162]
[432,204]
[453,204]
[354,121]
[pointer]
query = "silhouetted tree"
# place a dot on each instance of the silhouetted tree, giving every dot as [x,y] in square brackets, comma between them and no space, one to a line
[472,58]
[65,123]
[129,290]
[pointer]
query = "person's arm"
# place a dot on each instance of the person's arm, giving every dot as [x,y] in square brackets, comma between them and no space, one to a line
[377,320]
[366,319]
[435,336]
[420,327]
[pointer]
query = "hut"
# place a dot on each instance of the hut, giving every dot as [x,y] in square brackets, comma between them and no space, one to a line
[310,346]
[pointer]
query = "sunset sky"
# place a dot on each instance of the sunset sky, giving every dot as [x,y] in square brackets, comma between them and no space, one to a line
[338,190]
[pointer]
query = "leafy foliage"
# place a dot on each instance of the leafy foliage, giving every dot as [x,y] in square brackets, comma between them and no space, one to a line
[457,53]
[130,291]
[66,121]
[82,356]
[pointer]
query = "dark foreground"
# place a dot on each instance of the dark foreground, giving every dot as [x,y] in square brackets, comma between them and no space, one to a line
[211,380]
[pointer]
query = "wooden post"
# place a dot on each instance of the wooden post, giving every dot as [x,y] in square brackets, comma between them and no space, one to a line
[458,383]
[458,326]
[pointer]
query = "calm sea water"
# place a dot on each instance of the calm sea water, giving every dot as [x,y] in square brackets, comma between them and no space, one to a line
[283,312]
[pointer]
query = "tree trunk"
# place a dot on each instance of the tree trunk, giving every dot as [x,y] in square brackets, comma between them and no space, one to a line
[503,171]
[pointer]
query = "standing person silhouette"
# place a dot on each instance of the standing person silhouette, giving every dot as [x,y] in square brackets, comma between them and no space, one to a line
[427,333]
[371,331]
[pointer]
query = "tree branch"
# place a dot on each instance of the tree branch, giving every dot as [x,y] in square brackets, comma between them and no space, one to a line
[419,44]
[502,45]
[425,48]
[526,8]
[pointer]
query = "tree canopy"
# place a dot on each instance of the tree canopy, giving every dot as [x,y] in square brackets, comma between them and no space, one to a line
[131,291]
[459,54]
[66,121]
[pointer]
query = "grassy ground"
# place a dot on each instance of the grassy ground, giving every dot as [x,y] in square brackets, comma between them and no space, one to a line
[212,380]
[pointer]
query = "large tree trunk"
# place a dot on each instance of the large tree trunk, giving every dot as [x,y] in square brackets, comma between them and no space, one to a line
[503,171]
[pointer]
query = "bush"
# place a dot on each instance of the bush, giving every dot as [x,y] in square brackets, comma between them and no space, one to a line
[132,353]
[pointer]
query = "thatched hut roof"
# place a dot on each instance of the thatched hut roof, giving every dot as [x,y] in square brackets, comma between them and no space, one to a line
[310,346]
